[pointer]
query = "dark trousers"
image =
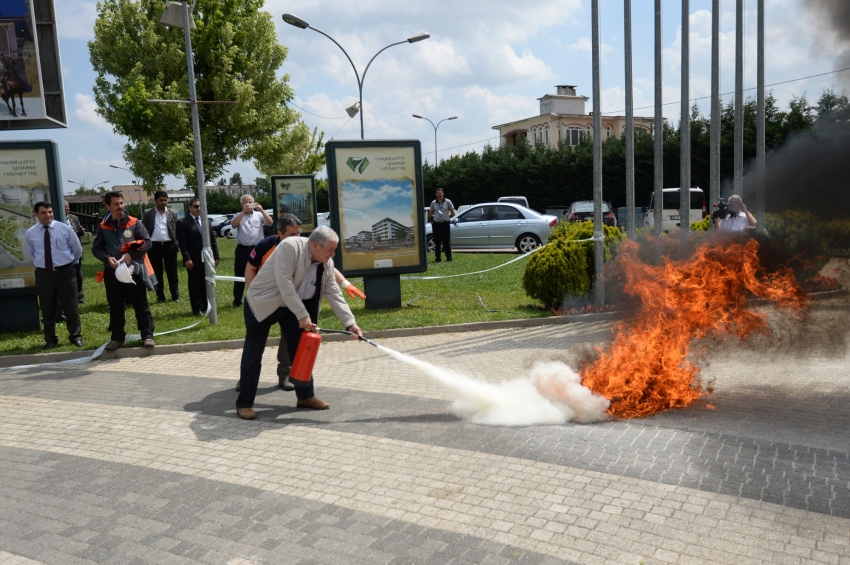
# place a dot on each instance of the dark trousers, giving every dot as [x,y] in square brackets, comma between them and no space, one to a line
[78,267]
[59,285]
[115,293]
[256,335]
[442,239]
[165,253]
[197,286]
[242,253]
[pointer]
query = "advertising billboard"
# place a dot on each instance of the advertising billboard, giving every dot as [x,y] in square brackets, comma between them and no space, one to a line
[376,193]
[28,174]
[296,194]
[20,68]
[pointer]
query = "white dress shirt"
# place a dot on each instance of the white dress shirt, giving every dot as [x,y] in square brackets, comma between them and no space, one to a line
[160,227]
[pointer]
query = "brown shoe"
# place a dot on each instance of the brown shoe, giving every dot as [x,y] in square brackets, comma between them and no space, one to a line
[313,403]
[246,413]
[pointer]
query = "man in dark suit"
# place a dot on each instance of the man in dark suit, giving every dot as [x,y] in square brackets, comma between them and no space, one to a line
[78,228]
[191,247]
[161,223]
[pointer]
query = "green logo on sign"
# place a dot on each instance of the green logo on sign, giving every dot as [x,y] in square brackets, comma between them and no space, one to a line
[285,186]
[358,165]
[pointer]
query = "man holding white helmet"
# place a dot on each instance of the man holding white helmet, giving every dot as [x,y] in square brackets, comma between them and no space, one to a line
[121,242]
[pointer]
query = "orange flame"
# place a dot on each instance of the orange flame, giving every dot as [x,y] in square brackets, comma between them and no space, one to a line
[646,369]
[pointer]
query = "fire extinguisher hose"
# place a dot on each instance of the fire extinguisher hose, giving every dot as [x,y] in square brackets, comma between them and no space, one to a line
[361,338]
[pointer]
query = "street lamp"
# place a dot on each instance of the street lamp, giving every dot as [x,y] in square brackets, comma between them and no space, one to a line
[128,170]
[174,18]
[301,24]
[435,131]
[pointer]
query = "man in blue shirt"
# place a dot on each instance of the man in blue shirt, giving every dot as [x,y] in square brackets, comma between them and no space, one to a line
[54,248]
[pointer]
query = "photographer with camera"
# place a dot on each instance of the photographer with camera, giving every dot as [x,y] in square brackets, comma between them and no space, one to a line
[732,216]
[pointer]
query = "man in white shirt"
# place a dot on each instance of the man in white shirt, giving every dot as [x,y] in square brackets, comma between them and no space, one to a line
[249,232]
[739,219]
[54,248]
[161,223]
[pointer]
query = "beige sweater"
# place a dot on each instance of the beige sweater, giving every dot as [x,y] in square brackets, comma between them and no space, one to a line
[277,282]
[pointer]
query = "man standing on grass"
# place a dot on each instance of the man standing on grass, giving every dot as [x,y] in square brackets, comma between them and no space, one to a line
[161,223]
[249,232]
[441,213]
[121,238]
[191,240]
[54,248]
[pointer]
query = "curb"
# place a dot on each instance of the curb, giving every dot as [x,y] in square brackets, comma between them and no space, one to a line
[136,352]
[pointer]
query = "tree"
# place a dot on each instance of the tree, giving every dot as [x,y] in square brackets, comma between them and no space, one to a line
[237,57]
[236,179]
[95,191]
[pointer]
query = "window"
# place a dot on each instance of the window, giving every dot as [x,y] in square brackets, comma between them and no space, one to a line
[477,214]
[546,134]
[574,135]
[609,131]
[507,213]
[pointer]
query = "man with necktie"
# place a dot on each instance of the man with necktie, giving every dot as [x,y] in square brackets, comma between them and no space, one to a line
[54,248]
[191,241]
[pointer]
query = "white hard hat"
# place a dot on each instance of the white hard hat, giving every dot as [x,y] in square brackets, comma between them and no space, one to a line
[122,273]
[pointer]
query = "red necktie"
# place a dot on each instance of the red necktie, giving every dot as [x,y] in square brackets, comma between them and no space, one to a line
[48,253]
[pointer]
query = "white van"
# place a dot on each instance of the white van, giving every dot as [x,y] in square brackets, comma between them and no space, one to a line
[671,207]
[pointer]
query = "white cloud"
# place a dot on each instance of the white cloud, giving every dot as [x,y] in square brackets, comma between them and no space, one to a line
[85,110]
[75,18]
[584,45]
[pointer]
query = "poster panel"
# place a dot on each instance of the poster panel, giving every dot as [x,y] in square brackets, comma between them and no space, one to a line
[20,69]
[24,180]
[179,207]
[296,194]
[375,188]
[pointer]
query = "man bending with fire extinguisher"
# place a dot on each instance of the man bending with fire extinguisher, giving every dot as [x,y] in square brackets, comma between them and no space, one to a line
[289,290]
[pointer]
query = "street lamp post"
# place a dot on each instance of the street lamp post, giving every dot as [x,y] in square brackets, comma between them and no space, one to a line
[135,181]
[174,19]
[435,131]
[299,23]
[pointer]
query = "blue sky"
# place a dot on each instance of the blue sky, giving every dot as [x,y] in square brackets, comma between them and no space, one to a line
[487,62]
[375,200]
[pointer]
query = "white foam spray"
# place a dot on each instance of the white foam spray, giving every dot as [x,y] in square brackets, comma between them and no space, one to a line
[551,393]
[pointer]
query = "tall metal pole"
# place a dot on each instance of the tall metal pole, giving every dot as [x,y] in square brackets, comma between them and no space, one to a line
[598,234]
[630,124]
[760,126]
[685,126]
[659,123]
[739,98]
[714,152]
[199,168]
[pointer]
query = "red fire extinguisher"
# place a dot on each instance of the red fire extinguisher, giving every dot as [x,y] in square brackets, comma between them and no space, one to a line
[305,356]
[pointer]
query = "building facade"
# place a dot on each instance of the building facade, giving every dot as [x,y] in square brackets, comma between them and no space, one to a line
[563,118]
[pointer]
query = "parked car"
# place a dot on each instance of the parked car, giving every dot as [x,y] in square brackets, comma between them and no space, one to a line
[463,208]
[521,200]
[671,208]
[324,218]
[582,210]
[497,225]
[228,231]
[217,228]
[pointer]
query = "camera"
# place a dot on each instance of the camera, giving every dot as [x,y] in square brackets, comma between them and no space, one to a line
[721,211]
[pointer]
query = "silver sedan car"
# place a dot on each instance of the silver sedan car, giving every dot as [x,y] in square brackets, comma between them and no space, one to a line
[497,225]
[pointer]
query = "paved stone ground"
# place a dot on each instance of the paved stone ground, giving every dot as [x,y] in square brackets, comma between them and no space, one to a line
[144,461]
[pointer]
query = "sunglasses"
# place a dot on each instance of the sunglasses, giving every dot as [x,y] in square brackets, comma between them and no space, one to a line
[195,206]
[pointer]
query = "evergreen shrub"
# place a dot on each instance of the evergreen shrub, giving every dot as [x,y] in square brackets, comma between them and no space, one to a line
[565,267]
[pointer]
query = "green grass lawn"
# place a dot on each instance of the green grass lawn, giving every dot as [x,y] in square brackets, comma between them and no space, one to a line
[424,303]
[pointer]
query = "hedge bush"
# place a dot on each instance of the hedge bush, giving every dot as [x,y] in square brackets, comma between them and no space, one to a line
[565,267]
